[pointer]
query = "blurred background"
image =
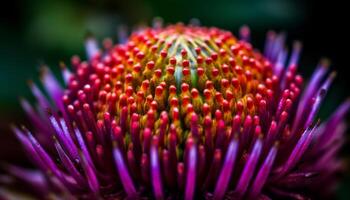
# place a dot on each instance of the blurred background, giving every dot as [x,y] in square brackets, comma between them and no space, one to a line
[33,32]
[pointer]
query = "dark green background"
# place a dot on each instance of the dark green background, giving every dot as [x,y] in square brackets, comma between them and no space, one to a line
[33,32]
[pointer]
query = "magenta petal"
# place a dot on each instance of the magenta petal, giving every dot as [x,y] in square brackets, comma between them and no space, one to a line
[308,93]
[90,176]
[329,132]
[69,165]
[320,96]
[53,87]
[123,173]
[35,178]
[191,173]
[249,168]
[28,147]
[50,164]
[226,170]
[280,63]
[294,58]
[33,116]
[298,151]
[40,97]
[64,138]
[263,173]
[155,170]
[83,147]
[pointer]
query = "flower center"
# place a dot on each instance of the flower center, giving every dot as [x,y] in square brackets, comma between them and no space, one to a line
[178,78]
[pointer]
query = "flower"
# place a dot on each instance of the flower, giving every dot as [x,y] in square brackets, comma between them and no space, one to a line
[183,112]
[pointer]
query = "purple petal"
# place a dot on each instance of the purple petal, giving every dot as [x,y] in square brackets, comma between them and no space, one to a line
[69,165]
[40,97]
[226,171]
[191,173]
[308,93]
[90,175]
[53,87]
[244,33]
[298,151]
[321,94]
[66,74]
[46,159]
[249,168]
[300,179]
[280,63]
[27,145]
[91,47]
[328,133]
[50,164]
[270,38]
[123,173]
[64,138]
[83,147]
[34,178]
[263,173]
[277,46]
[327,158]
[33,116]
[155,170]
[294,58]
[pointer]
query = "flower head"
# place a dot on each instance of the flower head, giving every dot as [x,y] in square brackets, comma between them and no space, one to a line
[183,112]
